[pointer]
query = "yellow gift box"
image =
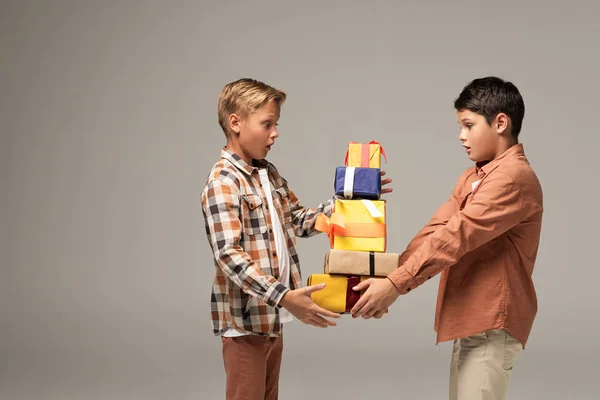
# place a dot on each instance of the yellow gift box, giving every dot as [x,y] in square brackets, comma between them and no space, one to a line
[356,225]
[337,295]
[365,155]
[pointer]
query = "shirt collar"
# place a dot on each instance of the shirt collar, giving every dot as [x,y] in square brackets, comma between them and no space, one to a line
[242,165]
[483,168]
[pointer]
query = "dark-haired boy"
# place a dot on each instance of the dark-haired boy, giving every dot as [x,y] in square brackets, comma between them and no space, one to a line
[484,240]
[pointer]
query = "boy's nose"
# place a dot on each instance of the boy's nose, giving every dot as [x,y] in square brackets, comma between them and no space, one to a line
[275,134]
[462,136]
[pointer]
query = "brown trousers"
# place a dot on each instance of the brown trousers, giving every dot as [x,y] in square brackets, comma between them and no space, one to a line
[252,365]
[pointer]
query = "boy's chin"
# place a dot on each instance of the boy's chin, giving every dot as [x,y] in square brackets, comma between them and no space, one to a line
[474,158]
[261,155]
[267,151]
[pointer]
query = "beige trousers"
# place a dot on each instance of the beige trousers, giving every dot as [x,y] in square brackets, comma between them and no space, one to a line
[482,365]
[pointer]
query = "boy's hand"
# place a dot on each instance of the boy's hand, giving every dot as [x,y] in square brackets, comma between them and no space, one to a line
[299,303]
[385,182]
[380,294]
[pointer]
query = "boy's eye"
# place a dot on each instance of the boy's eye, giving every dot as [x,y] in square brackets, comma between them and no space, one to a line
[469,126]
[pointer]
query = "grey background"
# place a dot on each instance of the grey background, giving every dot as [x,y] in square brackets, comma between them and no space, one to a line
[109,127]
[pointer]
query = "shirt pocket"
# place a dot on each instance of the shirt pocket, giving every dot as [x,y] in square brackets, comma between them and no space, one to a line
[253,217]
[249,303]
[254,307]
[464,199]
[283,197]
[512,347]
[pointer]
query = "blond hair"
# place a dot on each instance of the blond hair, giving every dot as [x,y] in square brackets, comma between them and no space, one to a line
[243,97]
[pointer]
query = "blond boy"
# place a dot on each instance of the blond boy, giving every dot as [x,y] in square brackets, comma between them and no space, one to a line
[252,219]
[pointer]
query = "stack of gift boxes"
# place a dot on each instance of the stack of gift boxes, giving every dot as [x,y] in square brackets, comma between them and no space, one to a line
[356,230]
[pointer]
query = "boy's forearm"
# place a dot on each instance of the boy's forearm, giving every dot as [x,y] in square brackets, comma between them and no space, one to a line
[439,219]
[304,219]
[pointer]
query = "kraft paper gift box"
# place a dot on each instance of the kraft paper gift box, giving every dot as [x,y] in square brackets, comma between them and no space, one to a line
[337,296]
[361,183]
[360,263]
[365,155]
[356,225]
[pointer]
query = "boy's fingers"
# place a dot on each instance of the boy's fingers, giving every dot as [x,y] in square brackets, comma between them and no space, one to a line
[382,173]
[362,285]
[356,310]
[325,321]
[370,313]
[379,314]
[314,288]
[386,181]
[327,313]
[316,322]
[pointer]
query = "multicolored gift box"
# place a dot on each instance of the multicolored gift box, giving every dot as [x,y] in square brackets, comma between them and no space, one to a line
[356,225]
[338,295]
[360,263]
[362,183]
[365,155]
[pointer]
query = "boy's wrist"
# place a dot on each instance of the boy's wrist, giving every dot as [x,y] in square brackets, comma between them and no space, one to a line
[284,299]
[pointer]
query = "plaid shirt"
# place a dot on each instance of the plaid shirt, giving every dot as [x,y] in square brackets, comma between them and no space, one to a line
[246,291]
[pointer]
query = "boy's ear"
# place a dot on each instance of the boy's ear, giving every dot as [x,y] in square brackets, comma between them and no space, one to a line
[501,123]
[234,123]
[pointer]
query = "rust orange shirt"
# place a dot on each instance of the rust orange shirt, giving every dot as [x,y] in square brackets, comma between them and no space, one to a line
[484,240]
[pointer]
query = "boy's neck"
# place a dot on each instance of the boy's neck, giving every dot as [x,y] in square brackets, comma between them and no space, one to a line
[504,145]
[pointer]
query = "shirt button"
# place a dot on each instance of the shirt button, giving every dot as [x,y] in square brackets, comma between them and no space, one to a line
[428,277]
[274,254]
[270,230]
[408,290]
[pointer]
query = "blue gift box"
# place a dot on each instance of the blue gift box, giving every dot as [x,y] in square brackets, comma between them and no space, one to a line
[358,183]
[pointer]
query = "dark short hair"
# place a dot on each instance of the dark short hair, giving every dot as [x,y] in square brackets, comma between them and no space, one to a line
[491,96]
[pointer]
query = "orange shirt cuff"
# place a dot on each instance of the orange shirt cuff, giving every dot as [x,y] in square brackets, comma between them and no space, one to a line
[403,280]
